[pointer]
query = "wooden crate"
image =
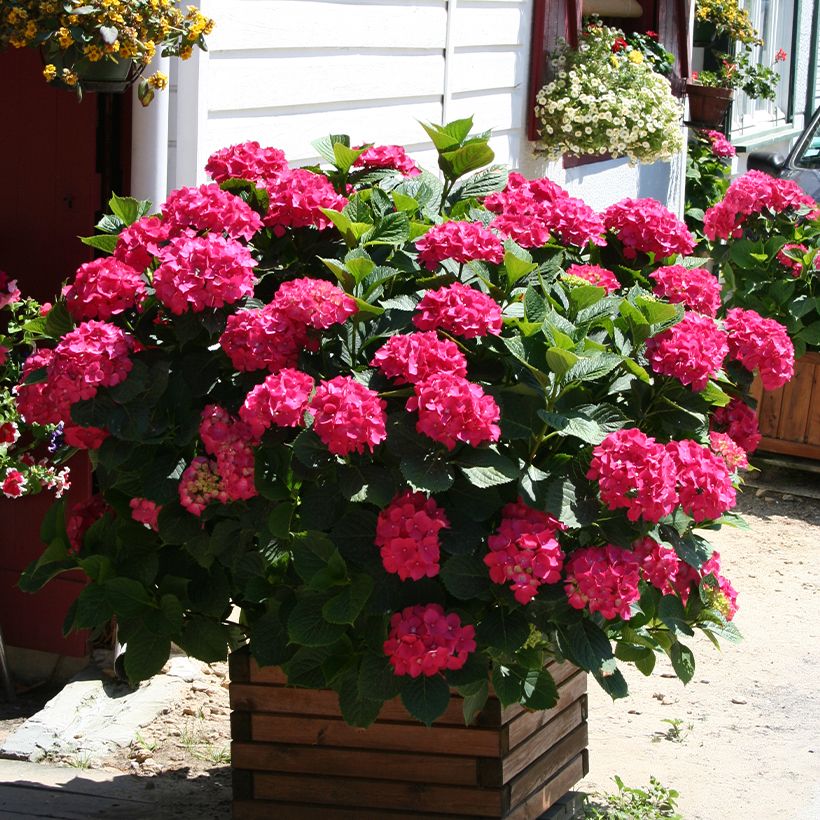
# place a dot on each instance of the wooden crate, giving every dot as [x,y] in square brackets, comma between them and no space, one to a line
[789,418]
[293,756]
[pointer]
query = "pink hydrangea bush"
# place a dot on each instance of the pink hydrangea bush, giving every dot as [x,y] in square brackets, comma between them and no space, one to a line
[386,417]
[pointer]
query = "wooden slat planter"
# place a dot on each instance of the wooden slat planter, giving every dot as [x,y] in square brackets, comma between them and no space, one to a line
[789,418]
[293,756]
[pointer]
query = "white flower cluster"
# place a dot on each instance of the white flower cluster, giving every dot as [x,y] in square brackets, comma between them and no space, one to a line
[607,100]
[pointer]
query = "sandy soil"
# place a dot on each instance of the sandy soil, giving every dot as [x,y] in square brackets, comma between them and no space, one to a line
[749,745]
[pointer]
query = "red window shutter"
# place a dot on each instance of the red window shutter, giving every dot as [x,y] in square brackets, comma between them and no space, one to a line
[673,33]
[551,19]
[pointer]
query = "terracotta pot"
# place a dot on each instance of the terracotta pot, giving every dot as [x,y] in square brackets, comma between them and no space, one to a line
[293,756]
[707,106]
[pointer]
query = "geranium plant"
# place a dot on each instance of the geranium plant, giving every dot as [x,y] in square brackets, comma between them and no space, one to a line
[411,429]
[607,98]
[75,35]
[764,235]
[756,80]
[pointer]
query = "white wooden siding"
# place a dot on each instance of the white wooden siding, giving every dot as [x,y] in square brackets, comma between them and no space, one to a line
[285,72]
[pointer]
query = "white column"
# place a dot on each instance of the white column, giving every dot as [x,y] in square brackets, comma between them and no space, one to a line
[149,142]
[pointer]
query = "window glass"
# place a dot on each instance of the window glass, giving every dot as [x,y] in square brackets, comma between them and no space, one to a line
[809,156]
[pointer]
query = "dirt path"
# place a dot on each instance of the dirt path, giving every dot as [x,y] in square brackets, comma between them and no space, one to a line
[749,745]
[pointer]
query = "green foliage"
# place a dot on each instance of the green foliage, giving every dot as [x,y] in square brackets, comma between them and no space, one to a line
[655,802]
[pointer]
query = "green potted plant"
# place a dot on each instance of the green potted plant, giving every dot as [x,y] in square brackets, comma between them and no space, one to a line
[409,443]
[106,45]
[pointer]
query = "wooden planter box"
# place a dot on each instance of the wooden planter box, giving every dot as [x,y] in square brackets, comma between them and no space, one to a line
[789,418]
[294,757]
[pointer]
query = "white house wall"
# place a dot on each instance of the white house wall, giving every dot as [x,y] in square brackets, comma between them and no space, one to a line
[285,72]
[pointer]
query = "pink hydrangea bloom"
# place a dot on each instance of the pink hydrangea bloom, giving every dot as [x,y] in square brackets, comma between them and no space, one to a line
[692,351]
[729,450]
[721,147]
[145,512]
[84,438]
[739,422]
[264,339]
[760,344]
[35,402]
[199,485]
[103,288]
[414,357]
[646,226]
[704,483]
[661,567]
[459,309]
[245,161]
[460,241]
[4,354]
[634,472]
[696,288]
[526,230]
[794,266]
[202,272]
[407,536]
[14,483]
[574,222]
[424,640]
[209,208]
[388,156]
[296,199]
[140,242]
[524,550]
[752,193]
[231,441]
[725,597]
[81,516]
[9,292]
[451,409]
[347,416]
[595,275]
[314,302]
[605,579]
[281,400]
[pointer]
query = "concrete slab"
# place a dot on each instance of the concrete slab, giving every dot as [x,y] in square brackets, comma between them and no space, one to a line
[93,715]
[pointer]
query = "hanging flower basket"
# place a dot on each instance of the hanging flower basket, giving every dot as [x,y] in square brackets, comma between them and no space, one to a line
[104,76]
[707,106]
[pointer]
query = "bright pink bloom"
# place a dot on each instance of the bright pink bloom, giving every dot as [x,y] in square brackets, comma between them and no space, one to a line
[392,157]
[460,241]
[231,441]
[646,226]
[452,409]
[347,416]
[725,596]
[202,272]
[80,518]
[35,402]
[140,242]
[524,550]
[103,288]
[794,266]
[423,640]
[752,193]
[739,422]
[9,292]
[296,199]
[692,351]
[596,275]
[209,208]
[780,56]
[414,357]
[14,483]
[245,161]
[661,567]
[145,512]
[459,309]
[760,344]
[732,453]
[281,400]
[605,579]
[721,147]
[704,483]
[526,230]
[84,438]
[264,339]
[636,473]
[4,354]
[407,535]
[314,302]
[694,287]
[199,485]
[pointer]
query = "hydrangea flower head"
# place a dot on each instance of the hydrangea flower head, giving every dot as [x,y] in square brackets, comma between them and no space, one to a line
[703,483]
[739,422]
[141,241]
[459,309]
[281,400]
[696,288]
[209,208]
[392,157]
[297,198]
[246,160]
[604,579]
[314,302]
[760,344]
[414,357]
[595,275]
[460,241]
[103,288]
[263,339]
[646,226]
